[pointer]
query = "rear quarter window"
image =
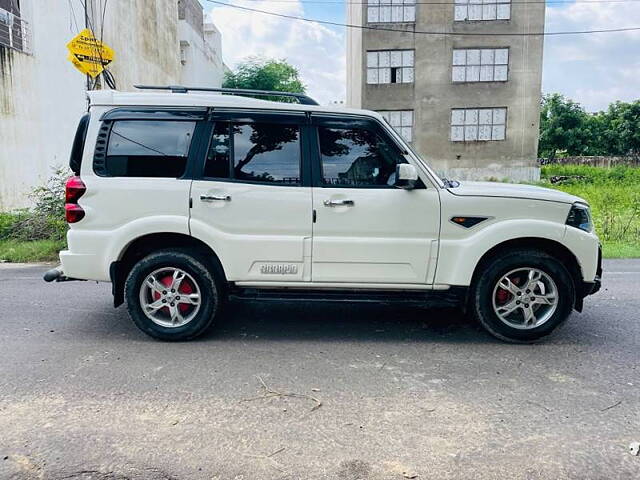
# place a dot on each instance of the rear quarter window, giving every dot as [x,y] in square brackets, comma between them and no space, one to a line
[77,149]
[147,148]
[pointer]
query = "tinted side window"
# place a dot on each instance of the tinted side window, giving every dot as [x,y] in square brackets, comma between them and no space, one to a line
[77,150]
[148,148]
[218,164]
[355,157]
[258,152]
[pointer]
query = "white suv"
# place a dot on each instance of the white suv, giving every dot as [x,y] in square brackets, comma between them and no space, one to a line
[182,200]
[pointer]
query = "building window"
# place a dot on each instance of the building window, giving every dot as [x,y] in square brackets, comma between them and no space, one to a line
[478,124]
[14,31]
[391,11]
[480,65]
[390,66]
[474,10]
[401,121]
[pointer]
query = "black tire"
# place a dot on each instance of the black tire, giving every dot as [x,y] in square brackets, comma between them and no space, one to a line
[481,294]
[211,293]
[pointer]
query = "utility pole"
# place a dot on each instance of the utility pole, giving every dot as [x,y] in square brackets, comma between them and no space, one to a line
[86,25]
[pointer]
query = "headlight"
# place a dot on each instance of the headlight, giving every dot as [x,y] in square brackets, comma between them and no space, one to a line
[580,217]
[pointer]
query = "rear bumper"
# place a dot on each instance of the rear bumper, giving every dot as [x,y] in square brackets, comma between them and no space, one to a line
[83,265]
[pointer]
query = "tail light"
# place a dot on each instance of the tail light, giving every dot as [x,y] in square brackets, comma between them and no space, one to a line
[73,212]
[74,189]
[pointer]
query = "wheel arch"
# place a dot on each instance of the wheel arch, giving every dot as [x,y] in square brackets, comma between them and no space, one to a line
[146,244]
[551,247]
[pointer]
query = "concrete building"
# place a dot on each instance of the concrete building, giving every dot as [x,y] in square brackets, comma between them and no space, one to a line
[467,99]
[200,47]
[42,96]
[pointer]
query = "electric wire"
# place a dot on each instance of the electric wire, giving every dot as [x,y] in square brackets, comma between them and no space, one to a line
[423,32]
[417,2]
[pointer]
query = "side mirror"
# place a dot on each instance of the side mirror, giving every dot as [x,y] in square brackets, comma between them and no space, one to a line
[406,176]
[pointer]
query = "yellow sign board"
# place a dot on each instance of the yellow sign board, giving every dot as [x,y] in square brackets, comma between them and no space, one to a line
[88,54]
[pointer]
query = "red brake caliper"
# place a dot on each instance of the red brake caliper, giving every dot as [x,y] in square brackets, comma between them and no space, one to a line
[186,288]
[502,296]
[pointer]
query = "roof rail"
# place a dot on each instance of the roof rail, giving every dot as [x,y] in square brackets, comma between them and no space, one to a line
[301,97]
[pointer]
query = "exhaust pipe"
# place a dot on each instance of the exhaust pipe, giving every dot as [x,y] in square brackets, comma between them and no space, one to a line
[57,275]
[53,275]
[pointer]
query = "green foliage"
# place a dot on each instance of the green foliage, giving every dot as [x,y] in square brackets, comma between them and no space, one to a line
[265,74]
[614,196]
[45,221]
[566,129]
[622,128]
[562,126]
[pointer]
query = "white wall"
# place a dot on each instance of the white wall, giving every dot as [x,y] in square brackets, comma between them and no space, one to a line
[201,56]
[42,96]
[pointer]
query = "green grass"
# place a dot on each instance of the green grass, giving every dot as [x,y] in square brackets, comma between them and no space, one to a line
[620,250]
[34,251]
[614,196]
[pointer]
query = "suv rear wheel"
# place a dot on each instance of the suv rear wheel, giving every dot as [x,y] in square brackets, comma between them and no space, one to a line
[172,295]
[522,295]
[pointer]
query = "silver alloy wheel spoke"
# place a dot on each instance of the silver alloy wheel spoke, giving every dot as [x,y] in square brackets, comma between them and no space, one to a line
[166,305]
[508,285]
[508,308]
[154,284]
[534,277]
[525,298]
[176,318]
[152,307]
[544,299]
[529,316]
[189,298]
[178,276]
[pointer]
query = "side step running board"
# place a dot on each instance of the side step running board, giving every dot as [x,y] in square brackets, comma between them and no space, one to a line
[453,297]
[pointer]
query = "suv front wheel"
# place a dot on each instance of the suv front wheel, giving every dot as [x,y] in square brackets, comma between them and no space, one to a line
[522,295]
[172,295]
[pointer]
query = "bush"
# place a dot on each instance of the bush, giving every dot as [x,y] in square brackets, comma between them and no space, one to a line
[45,220]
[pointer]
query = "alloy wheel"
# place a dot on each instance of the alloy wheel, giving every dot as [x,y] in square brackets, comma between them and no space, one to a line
[525,298]
[170,297]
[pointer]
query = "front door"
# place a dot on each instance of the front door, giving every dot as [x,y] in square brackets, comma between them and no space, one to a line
[251,202]
[366,230]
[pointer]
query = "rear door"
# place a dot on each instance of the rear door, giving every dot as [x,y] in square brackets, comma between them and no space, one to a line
[367,230]
[252,196]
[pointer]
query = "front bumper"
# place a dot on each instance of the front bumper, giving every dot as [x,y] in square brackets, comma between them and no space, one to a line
[589,288]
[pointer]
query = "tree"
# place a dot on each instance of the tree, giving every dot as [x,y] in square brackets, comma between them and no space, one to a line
[566,127]
[563,126]
[258,73]
[623,128]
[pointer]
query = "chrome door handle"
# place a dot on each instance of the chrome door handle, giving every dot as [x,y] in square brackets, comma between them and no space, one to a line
[215,198]
[339,203]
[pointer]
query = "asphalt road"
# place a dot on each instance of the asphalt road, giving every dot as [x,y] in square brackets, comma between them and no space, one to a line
[403,392]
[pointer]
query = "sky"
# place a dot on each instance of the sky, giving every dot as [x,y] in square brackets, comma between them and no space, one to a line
[593,70]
